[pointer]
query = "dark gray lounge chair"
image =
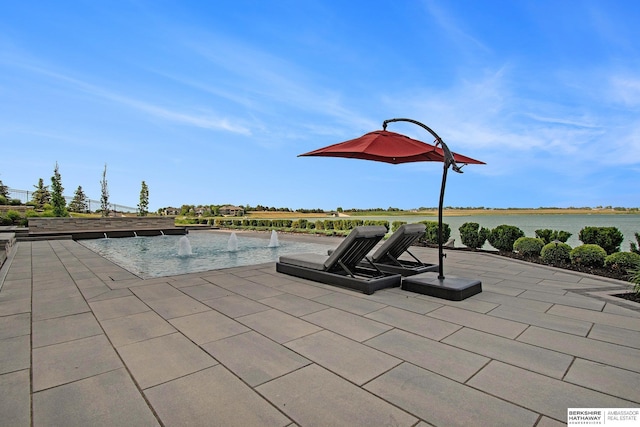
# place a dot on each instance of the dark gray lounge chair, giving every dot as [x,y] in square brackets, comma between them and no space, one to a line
[387,257]
[342,267]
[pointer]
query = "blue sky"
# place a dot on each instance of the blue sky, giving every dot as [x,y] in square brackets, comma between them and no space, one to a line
[210,102]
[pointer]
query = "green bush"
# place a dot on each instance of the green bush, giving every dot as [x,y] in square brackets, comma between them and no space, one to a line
[377,222]
[634,278]
[588,255]
[13,216]
[472,235]
[634,246]
[623,261]
[431,232]
[556,253]
[608,238]
[528,246]
[504,236]
[397,224]
[3,200]
[549,236]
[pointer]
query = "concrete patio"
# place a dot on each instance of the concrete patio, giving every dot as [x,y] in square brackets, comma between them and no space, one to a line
[85,343]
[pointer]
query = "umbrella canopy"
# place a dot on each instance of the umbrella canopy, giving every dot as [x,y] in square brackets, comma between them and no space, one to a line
[388,147]
[395,148]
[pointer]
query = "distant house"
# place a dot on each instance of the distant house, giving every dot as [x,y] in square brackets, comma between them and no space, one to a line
[172,211]
[230,210]
[201,210]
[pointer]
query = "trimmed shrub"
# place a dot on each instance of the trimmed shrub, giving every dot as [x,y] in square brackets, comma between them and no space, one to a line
[397,224]
[556,253]
[431,233]
[634,246]
[13,216]
[623,261]
[3,200]
[528,246]
[504,236]
[472,235]
[608,238]
[588,255]
[635,279]
[549,236]
[378,222]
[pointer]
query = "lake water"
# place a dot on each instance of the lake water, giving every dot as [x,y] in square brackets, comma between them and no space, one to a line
[159,256]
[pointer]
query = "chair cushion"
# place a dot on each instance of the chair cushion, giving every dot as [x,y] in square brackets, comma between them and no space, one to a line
[312,261]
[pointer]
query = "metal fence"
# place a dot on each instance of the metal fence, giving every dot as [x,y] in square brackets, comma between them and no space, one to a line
[92,205]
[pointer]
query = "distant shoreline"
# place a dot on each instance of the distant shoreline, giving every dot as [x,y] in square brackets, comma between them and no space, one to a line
[445,212]
[511,211]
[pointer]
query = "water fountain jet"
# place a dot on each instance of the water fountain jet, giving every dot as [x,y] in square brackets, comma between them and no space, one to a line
[232,246]
[184,246]
[273,242]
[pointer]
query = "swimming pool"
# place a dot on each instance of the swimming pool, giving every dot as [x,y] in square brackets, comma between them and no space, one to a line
[159,256]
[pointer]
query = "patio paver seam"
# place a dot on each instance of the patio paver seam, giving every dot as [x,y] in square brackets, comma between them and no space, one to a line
[74,381]
[579,373]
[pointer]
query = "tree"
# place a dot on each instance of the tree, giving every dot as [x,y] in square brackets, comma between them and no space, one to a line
[143,206]
[79,202]
[57,197]
[41,196]
[104,197]
[4,190]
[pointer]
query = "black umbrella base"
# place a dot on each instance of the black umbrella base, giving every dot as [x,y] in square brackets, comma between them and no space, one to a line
[450,288]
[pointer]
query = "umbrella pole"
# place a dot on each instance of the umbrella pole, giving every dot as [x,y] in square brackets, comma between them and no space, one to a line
[441,254]
[448,161]
[453,288]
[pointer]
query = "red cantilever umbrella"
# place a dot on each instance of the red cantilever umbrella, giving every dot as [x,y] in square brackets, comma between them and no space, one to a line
[388,147]
[391,147]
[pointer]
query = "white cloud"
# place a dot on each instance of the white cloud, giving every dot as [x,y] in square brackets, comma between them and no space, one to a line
[452,28]
[201,119]
[625,90]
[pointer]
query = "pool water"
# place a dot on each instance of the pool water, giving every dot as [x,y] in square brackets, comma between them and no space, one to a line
[159,256]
